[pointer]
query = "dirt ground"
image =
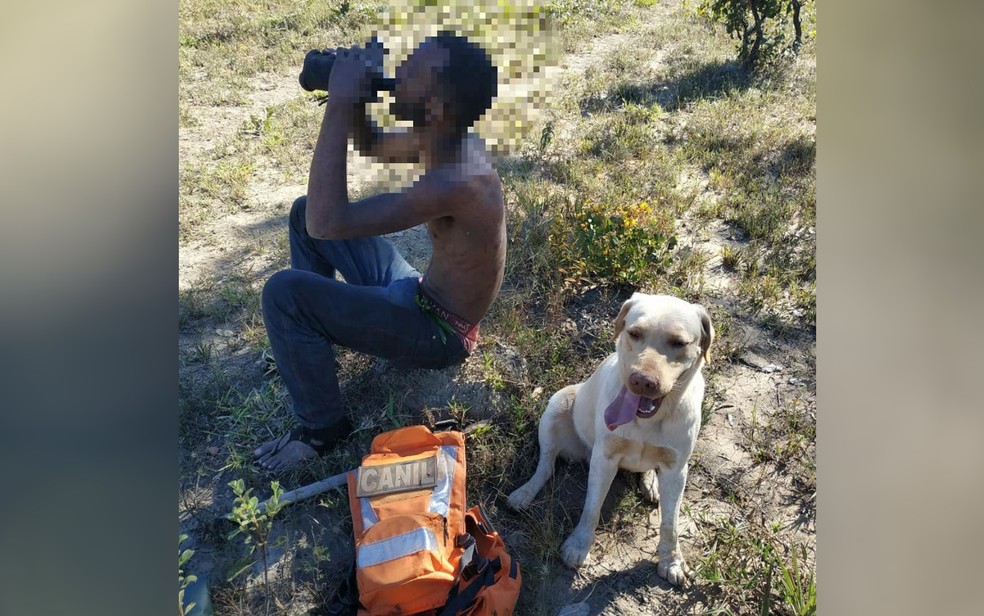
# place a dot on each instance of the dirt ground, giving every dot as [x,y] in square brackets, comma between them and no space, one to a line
[744,396]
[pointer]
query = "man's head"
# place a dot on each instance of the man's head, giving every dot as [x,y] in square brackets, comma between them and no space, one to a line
[447,80]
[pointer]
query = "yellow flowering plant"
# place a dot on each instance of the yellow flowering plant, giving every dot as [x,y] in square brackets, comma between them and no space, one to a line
[619,244]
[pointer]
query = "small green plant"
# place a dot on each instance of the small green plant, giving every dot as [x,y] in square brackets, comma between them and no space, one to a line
[204,352]
[731,258]
[491,373]
[255,523]
[345,11]
[761,291]
[184,580]
[623,244]
[805,298]
[799,592]
[546,136]
[627,133]
[390,412]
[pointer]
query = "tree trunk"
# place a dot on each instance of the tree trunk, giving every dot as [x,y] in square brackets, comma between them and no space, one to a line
[757,16]
[745,34]
[797,25]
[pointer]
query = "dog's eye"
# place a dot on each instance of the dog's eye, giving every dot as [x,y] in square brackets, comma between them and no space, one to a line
[678,343]
[635,334]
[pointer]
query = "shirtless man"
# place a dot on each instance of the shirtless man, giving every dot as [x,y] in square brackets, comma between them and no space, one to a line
[384,307]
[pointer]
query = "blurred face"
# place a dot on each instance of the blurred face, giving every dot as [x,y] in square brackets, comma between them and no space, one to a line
[416,92]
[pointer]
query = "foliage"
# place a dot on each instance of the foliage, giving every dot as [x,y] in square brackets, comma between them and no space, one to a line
[255,522]
[622,244]
[799,590]
[761,36]
[748,559]
[184,580]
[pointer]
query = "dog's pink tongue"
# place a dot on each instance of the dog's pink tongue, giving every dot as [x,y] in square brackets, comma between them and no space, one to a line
[622,409]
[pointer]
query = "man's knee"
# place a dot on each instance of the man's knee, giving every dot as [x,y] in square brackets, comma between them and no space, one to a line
[281,290]
[297,215]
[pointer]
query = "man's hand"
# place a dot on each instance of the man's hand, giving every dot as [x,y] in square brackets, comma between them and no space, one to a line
[329,214]
[350,76]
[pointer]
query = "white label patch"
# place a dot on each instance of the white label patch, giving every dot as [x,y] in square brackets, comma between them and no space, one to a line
[397,477]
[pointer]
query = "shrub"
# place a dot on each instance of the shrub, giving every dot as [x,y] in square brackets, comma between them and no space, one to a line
[756,35]
[621,244]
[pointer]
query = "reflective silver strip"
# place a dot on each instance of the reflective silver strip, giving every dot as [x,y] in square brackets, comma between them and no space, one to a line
[369,517]
[440,500]
[417,540]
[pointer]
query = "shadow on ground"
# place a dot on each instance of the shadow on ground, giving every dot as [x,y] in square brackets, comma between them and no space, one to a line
[705,81]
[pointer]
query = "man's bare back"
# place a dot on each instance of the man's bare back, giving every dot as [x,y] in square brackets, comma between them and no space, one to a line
[469,249]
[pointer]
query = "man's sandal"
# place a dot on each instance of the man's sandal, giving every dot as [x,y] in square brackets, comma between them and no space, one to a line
[320,440]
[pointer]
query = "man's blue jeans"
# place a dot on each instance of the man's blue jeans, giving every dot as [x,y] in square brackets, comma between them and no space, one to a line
[307,311]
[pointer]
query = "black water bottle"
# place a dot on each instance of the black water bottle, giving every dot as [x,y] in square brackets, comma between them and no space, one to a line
[316,70]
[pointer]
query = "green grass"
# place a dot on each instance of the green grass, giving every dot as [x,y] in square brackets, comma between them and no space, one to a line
[286,134]
[280,140]
[762,575]
[235,298]
[787,440]
[223,43]
[579,20]
[211,188]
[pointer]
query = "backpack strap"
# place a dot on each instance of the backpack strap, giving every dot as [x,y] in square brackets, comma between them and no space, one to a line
[471,560]
[458,601]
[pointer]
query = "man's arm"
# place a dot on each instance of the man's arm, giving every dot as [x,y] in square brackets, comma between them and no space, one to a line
[393,146]
[430,197]
[329,213]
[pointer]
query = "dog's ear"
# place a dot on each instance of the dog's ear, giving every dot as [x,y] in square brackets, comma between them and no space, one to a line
[706,333]
[620,319]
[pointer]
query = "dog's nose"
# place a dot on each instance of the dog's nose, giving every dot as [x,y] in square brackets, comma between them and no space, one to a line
[643,384]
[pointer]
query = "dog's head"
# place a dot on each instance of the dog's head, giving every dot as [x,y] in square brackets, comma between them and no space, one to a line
[661,342]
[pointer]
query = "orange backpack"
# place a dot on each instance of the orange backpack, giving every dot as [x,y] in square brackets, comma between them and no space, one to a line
[417,551]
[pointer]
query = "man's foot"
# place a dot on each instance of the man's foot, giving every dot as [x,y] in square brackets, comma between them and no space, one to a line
[300,444]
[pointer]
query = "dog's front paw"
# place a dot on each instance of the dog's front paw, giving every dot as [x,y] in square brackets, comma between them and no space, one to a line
[673,570]
[575,550]
[521,497]
[649,486]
